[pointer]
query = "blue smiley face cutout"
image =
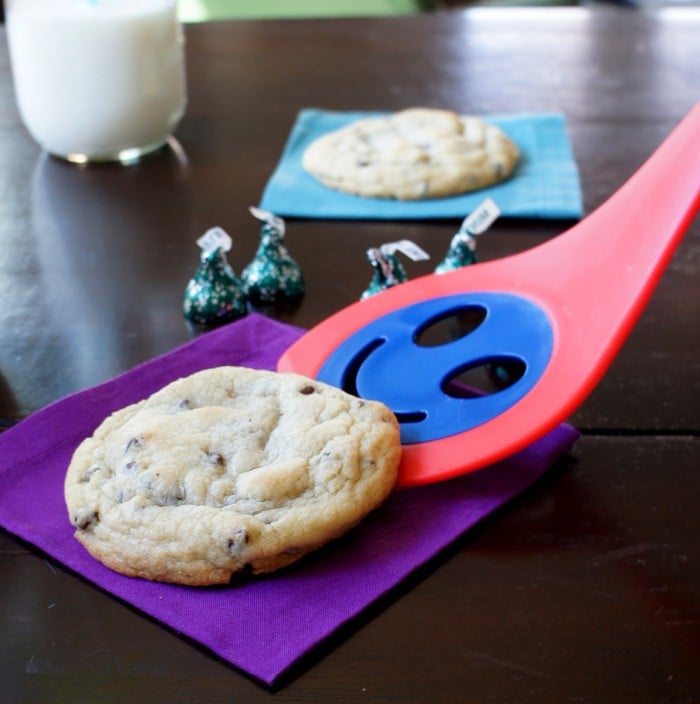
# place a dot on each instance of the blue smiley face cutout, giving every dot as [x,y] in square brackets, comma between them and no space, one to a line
[386,361]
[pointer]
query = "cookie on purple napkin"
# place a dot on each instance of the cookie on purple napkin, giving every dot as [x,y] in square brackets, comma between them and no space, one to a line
[229,470]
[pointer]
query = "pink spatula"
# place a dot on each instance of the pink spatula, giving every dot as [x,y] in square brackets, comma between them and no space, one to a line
[559,313]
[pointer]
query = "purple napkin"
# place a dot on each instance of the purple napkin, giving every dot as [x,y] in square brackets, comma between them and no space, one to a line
[262,625]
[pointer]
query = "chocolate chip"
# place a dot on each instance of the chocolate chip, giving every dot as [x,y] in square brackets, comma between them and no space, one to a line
[242,573]
[87,520]
[307,390]
[133,444]
[239,539]
[216,459]
[177,496]
[87,475]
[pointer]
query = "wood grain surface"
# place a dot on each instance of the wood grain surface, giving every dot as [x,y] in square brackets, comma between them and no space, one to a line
[584,589]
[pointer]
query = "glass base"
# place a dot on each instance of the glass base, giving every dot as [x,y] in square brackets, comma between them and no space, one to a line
[125,156]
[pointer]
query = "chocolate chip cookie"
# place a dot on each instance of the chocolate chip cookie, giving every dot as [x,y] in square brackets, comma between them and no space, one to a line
[229,470]
[412,154]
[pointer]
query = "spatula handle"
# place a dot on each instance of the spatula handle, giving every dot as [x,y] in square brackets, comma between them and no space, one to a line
[633,234]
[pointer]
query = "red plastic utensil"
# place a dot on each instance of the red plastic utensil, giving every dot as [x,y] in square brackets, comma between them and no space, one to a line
[562,310]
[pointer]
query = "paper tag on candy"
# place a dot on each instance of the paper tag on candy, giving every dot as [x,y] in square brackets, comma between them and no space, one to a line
[481,218]
[213,238]
[273,276]
[268,217]
[214,295]
[408,248]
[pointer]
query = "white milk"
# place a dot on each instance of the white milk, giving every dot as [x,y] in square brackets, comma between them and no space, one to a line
[97,80]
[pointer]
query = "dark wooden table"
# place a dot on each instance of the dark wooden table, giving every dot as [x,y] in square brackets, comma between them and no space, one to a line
[585,589]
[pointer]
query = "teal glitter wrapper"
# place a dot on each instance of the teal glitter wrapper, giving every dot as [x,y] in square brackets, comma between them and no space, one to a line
[460,253]
[388,271]
[273,275]
[214,295]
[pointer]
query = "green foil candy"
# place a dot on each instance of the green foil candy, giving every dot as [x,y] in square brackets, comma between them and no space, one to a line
[214,295]
[462,249]
[273,275]
[388,271]
[461,252]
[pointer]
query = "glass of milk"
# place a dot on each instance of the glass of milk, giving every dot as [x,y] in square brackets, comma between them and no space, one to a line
[97,80]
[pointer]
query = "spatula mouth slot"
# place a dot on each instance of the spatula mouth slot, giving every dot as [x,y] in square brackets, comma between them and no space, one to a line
[414,417]
[348,382]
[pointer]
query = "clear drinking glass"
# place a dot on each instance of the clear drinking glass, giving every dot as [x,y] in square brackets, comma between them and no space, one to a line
[97,80]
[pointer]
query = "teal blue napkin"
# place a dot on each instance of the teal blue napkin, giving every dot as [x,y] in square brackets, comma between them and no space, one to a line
[544,185]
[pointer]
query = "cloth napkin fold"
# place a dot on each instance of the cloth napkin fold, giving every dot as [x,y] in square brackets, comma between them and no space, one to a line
[545,184]
[260,625]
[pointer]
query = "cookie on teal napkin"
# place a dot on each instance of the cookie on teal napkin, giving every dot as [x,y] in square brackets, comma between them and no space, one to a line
[545,183]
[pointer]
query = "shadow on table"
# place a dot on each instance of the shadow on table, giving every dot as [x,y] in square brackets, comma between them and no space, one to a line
[9,403]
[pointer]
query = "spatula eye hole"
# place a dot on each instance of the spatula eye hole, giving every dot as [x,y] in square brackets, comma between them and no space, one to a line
[453,325]
[491,376]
